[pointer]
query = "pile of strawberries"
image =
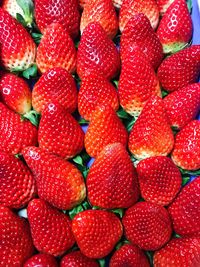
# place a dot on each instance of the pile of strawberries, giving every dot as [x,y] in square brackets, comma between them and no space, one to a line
[99,134]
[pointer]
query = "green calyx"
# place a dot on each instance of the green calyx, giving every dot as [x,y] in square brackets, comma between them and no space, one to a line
[33,117]
[27,8]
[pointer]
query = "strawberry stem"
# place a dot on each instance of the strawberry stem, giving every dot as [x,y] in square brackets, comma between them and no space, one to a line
[27,8]
[33,117]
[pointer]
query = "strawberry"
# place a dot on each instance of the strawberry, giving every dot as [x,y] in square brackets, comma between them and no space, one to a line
[183,105]
[16,243]
[186,153]
[59,132]
[15,93]
[112,179]
[96,232]
[16,133]
[76,258]
[138,81]
[163,5]
[129,8]
[105,128]
[151,135]
[96,90]
[101,11]
[129,255]
[55,84]
[64,179]
[50,228]
[147,225]
[185,212]
[179,252]
[160,180]
[64,12]
[56,49]
[180,69]
[97,51]
[175,28]
[138,31]
[41,260]
[17,47]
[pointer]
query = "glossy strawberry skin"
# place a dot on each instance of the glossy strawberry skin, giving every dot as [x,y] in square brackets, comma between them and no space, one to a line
[97,51]
[147,225]
[59,132]
[163,5]
[56,49]
[186,153]
[17,47]
[88,224]
[55,84]
[76,258]
[50,228]
[42,260]
[16,242]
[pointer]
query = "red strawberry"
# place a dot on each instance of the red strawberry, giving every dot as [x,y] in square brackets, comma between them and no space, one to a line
[76,258]
[97,51]
[129,255]
[112,179]
[101,11]
[138,81]
[64,12]
[186,153]
[138,31]
[17,47]
[147,225]
[105,128]
[16,133]
[183,105]
[160,180]
[180,69]
[41,260]
[185,210]
[56,49]
[55,84]
[15,93]
[59,132]
[96,90]
[179,252]
[96,232]
[129,8]
[16,243]
[50,228]
[63,186]
[175,28]
[163,5]
[151,135]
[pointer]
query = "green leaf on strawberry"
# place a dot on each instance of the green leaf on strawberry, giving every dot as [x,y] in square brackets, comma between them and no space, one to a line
[30,72]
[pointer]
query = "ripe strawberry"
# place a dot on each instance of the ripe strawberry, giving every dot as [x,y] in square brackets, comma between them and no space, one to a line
[76,258]
[96,90]
[185,212]
[163,5]
[17,47]
[183,105]
[147,225]
[160,180]
[186,153]
[56,49]
[41,260]
[15,132]
[64,12]
[105,128]
[180,69]
[50,228]
[55,84]
[16,243]
[129,8]
[151,135]
[129,255]
[138,31]
[90,224]
[138,81]
[112,179]
[101,11]
[179,252]
[97,51]
[59,132]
